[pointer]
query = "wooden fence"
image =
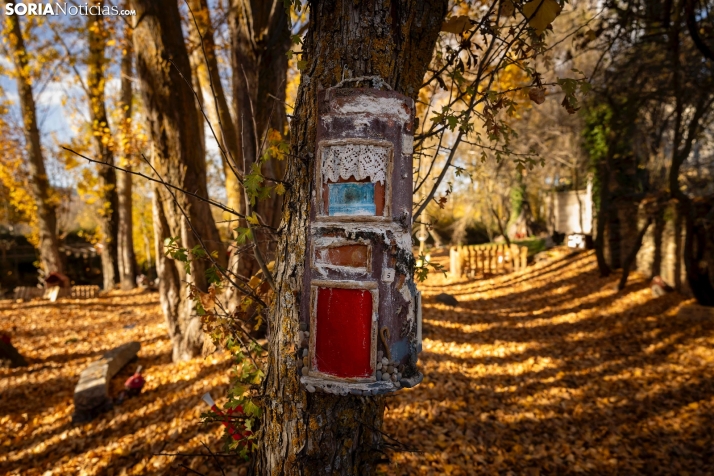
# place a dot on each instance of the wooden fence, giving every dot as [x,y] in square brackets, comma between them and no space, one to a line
[471,260]
[27,293]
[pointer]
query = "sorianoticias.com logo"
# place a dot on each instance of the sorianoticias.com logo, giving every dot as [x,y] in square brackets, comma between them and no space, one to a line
[58,8]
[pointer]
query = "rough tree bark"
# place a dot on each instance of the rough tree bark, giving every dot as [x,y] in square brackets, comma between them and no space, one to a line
[39,183]
[161,59]
[317,433]
[108,214]
[126,256]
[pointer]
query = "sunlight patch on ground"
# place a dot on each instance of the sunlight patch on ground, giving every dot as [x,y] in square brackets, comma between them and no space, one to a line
[61,339]
[553,371]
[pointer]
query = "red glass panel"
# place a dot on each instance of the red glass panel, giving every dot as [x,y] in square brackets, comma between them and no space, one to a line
[344,332]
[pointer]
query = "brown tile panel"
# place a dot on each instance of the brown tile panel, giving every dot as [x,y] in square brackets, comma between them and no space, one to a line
[353,256]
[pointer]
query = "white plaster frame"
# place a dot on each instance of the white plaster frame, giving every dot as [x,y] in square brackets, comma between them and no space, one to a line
[321,215]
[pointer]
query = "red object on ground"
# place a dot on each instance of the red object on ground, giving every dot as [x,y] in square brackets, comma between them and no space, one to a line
[344,332]
[136,381]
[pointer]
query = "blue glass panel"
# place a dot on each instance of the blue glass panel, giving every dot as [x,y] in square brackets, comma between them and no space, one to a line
[351,198]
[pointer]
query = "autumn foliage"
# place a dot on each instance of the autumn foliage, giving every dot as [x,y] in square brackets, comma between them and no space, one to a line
[547,372]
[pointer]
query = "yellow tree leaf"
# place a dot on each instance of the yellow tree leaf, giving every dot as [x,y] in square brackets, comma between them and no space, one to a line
[456,25]
[541,13]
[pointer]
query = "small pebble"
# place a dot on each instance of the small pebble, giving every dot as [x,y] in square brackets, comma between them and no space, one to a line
[304,352]
[380,354]
[398,384]
[390,369]
[305,361]
[303,326]
[401,368]
[310,388]
[307,334]
[305,371]
[385,361]
[394,378]
[379,375]
[385,377]
[301,335]
[379,365]
[399,376]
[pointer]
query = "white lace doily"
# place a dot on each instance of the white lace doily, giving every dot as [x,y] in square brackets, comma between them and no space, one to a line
[360,161]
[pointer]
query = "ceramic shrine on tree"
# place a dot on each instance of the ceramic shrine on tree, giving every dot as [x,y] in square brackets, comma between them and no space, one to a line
[361,316]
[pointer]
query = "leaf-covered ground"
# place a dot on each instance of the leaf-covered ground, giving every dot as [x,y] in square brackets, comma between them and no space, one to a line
[553,372]
[547,372]
[59,340]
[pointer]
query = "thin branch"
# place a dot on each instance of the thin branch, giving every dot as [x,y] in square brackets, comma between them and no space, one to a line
[256,251]
[215,100]
[139,174]
[191,470]
[220,466]
[203,112]
[200,240]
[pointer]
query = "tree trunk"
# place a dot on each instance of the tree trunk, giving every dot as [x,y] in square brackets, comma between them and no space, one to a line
[127,259]
[603,213]
[311,433]
[214,98]
[108,214]
[260,40]
[179,159]
[39,183]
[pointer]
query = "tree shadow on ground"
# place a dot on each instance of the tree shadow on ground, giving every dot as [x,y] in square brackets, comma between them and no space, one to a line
[537,381]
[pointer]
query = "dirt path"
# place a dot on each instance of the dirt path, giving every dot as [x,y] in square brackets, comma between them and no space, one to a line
[553,372]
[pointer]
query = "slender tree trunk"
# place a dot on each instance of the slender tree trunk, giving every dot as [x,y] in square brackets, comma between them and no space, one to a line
[127,259]
[108,215]
[214,98]
[161,59]
[216,107]
[39,183]
[260,40]
[310,433]
[603,213]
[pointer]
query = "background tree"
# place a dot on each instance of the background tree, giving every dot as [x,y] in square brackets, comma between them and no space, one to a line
[126,257]
[647,123]
[105,144]
[38,180]
[259,41]
[161,61]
